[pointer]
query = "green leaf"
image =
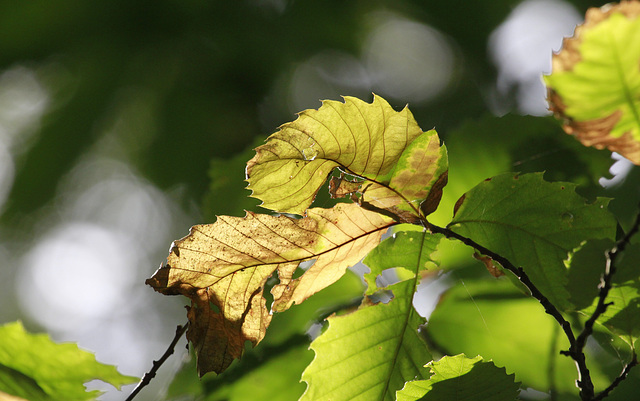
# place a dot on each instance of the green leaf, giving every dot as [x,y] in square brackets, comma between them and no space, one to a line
[369,354]
[406,249]
[595,83]
[494,319]
[363,139]
[34,367]
[586,266]
[533,223]
[462,379]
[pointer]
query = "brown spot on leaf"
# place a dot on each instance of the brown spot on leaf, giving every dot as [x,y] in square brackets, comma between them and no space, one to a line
[459,203]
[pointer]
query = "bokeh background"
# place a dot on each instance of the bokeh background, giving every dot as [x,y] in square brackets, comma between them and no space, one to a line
[123,123]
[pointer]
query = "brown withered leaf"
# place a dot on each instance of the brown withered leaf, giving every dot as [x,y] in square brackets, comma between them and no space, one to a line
[223,267]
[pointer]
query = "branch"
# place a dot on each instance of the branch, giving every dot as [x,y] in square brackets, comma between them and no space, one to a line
[605,284]
[584,380]
[146,379]
[619,379]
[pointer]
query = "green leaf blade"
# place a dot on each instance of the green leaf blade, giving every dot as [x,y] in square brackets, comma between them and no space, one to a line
[48,371]
[462,379]
[533,223]
[353,364]
[595,83]
[406,249]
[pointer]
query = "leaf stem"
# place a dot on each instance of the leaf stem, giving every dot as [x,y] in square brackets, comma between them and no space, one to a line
[146,379]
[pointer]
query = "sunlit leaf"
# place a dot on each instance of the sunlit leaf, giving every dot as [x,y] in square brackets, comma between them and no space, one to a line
[462,379]
[595,82]
[533,223]
[494,319]
[286,332]
[363,139]
[353,364]
[35,368]
[416,183]
[223,267]
[406,249]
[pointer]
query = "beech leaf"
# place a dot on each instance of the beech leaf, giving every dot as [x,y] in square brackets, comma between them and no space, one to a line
[533,223]
[494,319]
[370,141]
[223,268]
[33,367]
[595,82]
[351,364]
[406,249]
[462,379]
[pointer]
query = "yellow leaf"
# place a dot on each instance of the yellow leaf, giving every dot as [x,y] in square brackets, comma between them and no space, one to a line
[363,139]
[223,268]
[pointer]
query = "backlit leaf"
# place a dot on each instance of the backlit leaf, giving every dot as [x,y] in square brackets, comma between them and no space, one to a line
[595,82]
[462,379]
[533,223]
[369,354]
[416,183]
[494,319]
[406,249]
[35,368]
[223,267]
[362,139]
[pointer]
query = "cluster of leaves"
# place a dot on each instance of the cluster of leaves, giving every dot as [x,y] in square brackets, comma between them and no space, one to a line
[385,172]
[543,244]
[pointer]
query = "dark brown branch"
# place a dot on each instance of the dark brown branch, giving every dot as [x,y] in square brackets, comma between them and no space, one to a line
[584,380]
[146,379]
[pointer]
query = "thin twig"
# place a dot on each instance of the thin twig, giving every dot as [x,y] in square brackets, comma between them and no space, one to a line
[605,284]
[584,380]
[619,379]
[146,379]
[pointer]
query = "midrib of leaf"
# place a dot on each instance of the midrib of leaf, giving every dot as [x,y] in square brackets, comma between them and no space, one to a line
[411,310]
[405,200]
[617,61]
[299,260]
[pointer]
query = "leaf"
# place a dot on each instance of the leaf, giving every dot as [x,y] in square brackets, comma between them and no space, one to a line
[586,267]
[462,379]
[35,368]
[494,319]
[363,139]
[416,183]
[369,354]
[406,249]
[286,332]
[595,82]
[223,268]
[533,223]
